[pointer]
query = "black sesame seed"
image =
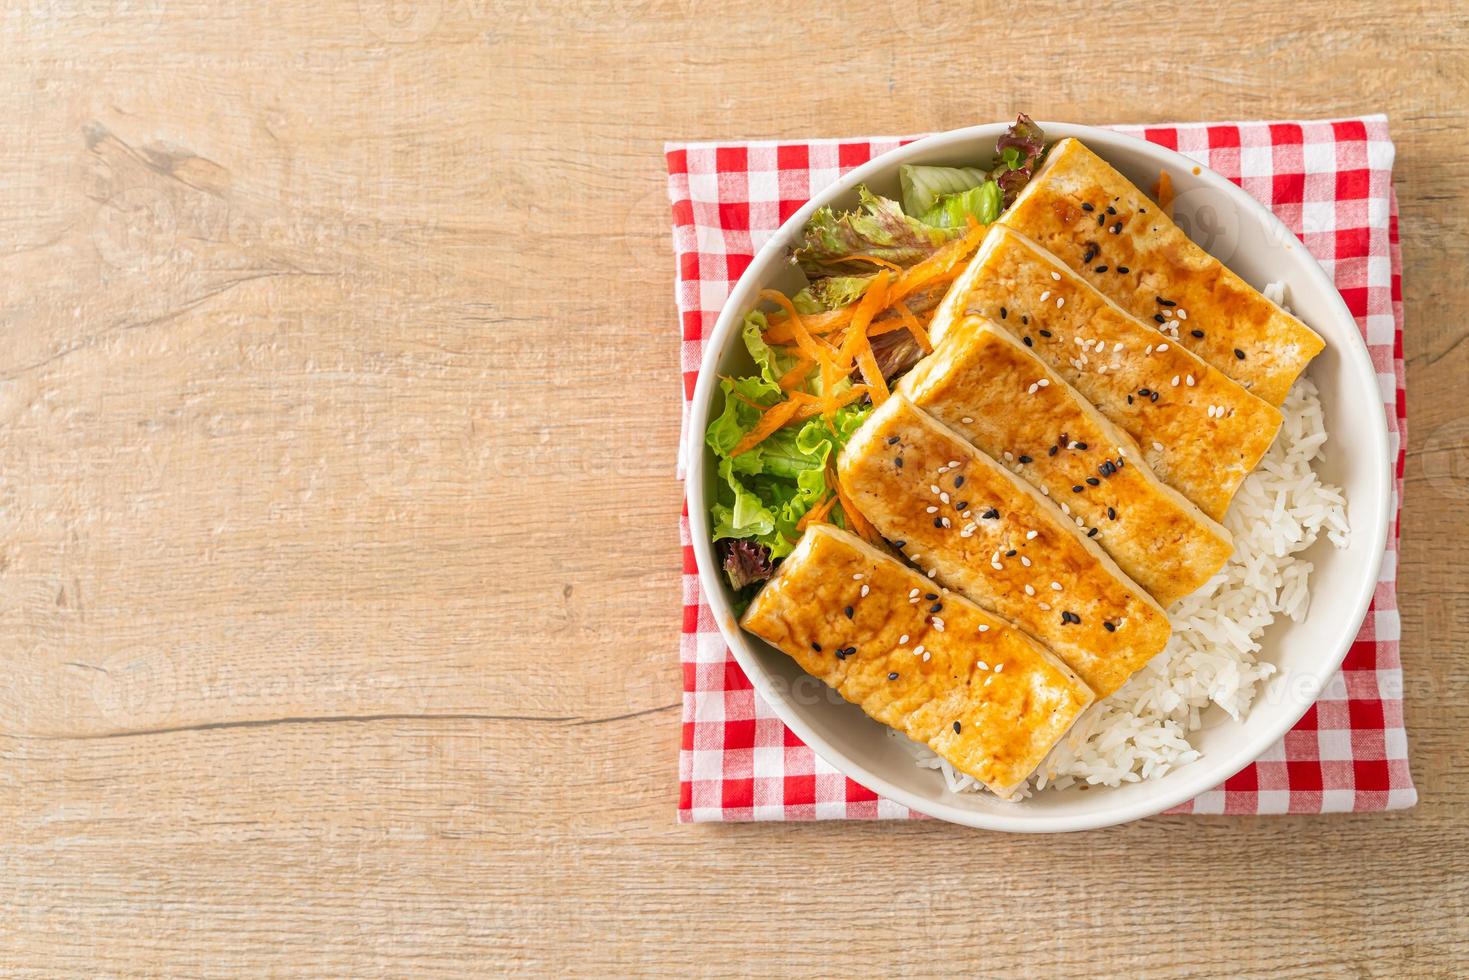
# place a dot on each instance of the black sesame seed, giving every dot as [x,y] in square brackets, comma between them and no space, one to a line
[962,506]
[1154,396]
[1028,342]
[990,514]
[1129,399]
[1093,481]
[894,440]
[1024,319]
[900,544]
[1004,313]
[1045,333]
[1122,270]
[1011,553]
[1092,533]
[1144,392]
[1077,488]
[1120,461]
[956,728]
[1088,207]
[1110,627]
[1091,252]
[1164,302]
[1116,229]
[1051,451]
[1079,445]
[1100,268]
[899,462]
[1111,513]
[1197,333]
[1160,318]
[930,596]
[893,676]
[936,607]
[816,647]
[1111,209]
[1025,459]
[1101,220]
[1239,353]
[849,610]
[1142,210]
[938,522]
[958,482]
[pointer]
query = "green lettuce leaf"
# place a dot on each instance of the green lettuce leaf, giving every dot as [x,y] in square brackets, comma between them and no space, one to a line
[950,210]
[831,292]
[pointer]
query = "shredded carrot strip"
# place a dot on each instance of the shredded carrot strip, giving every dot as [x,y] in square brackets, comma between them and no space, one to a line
[1163,192]
[856,337]
[855,520]
[874,260]
[872,374]
[938,264]
[797,374]
[802,336]
[777,416]
[817,514]
[914,327]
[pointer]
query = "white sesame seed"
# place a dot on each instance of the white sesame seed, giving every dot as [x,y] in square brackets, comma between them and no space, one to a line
[925,656]
[865,589]
[1045,295]
[1030,535]
[913,593]
[1025,561]
[1117,347]
[932,572]
[918,650]
[988,679]
[1044,605]
[1162,348]
[1182,314]
[1045,491]
[944,497]
[953,464]
[1167,313]
[1056,586]
[1066,508]
[1044,382]
[1032,389]
[1056,276]
[857,577]
[967,420]
[1190,380]
[931,509]
[1079,523]
[999,667]
[1158,446]
[1174,382]
[938,624]
[1029,590]
[984,628]
[946,523]
[933,488]
[1149,350]
[1060,301]
[903,639]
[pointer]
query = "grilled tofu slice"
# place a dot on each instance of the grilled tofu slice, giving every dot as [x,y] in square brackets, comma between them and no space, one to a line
[1201,433]
[1097,222]
[930,664]
[983,531]
[992,390]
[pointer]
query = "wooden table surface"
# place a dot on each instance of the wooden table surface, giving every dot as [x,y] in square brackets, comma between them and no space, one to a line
[338,562]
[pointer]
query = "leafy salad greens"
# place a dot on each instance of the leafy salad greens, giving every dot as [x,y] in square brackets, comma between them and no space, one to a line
[776,466]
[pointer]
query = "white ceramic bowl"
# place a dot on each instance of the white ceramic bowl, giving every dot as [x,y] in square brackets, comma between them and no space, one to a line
[1252,242]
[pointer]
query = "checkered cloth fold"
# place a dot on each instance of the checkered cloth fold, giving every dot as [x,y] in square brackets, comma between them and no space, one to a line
[1330,182]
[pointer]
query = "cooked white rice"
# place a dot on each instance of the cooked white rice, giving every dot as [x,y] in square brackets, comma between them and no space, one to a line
[1142,731]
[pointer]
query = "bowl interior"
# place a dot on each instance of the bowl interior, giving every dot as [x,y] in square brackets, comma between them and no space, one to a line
[1245,236]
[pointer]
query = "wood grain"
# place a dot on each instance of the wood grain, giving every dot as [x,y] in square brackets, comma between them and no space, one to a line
[338,568]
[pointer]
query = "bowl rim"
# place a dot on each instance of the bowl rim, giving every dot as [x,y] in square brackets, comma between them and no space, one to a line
[1186,782]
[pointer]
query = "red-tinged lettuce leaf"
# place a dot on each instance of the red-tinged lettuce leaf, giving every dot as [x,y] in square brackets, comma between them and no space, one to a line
[1019,148]
[745,562]
[877,227]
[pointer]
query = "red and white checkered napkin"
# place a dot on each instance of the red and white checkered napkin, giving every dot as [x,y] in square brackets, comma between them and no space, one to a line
[1331,183]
